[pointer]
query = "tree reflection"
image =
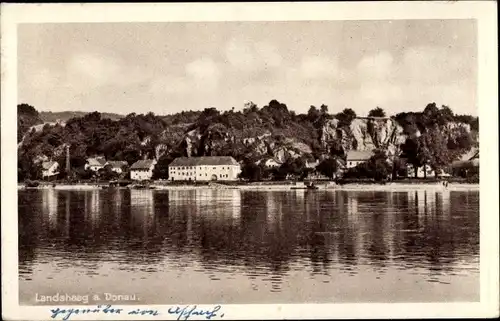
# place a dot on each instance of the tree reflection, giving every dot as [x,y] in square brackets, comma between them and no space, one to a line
[251,232]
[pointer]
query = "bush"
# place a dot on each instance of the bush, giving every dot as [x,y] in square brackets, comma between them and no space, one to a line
[30,183]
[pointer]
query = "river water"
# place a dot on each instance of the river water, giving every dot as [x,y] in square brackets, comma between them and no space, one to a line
[231,246]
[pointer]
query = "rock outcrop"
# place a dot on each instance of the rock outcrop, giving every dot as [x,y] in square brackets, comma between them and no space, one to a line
[364,134]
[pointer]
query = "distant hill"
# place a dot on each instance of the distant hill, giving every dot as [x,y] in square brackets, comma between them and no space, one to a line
[64,116]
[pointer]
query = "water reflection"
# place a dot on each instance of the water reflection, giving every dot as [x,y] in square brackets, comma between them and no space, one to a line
[265,236]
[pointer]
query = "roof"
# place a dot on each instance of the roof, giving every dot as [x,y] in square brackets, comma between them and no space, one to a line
[143,164]
[476,156]
[48,165]
[204,160]
[469,158]
[471,154]
[96,161]
[312,164]
[117,164]
[359,155]
[267,160]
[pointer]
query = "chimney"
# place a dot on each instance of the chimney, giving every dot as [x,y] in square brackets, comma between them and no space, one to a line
[68,167]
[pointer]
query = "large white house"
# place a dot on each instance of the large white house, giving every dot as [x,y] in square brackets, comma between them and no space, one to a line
[142,169]
[50,169]
[356,157]
[205,168]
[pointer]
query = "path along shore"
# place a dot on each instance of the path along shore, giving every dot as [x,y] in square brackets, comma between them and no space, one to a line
[393,187]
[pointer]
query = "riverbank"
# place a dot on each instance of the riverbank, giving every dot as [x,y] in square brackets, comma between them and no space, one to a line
[284,187]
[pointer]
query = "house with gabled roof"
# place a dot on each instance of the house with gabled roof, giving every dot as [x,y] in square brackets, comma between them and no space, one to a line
[205,168]
[356,157]
[142,169]
[95,163]
[50,169]
[268,162]
[117,166]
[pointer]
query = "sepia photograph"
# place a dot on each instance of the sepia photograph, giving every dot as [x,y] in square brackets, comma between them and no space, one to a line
[232,162]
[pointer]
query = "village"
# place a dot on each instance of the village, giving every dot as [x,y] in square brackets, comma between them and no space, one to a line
[225,169]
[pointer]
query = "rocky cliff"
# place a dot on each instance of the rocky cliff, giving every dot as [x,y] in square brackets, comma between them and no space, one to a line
[364,134]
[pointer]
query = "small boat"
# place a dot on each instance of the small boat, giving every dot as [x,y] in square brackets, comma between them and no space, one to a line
[142,186]
[305,186]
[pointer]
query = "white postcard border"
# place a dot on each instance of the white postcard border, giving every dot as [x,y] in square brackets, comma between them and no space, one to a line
[484,11]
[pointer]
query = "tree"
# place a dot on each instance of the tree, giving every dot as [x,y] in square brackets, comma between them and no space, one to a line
[324,109]
[346,117]
[432,149]
[313,113]
[378,166]
[250,107]
[399,168]
[27,169]
[377,112]
[431,115]
[106,173]
[446,114]
[27,116]
[251,171]
[327,167]
[410,151]
[460,140]
[336,148]
[161,168]
[292,166]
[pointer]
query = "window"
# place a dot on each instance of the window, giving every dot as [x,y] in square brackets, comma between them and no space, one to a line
[200,174]
[214,167]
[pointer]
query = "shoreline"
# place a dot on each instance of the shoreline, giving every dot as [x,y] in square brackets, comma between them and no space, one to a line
[391,187]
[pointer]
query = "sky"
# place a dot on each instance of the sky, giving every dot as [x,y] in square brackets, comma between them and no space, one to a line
[398,65]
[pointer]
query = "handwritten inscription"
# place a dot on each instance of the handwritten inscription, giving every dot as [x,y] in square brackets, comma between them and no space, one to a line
[66,314]
[184,313]
[180,312]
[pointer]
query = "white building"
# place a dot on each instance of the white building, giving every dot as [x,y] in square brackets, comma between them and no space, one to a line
[117,166]
[50,169]
[312,165]
[142,169]
[356,157]
[269,163]
[95,163]
[422,171]
[206,168]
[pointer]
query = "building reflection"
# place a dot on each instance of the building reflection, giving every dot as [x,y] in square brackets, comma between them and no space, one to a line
[142,211]
[49,206]
[94,208]
[257,232]
[427,235]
